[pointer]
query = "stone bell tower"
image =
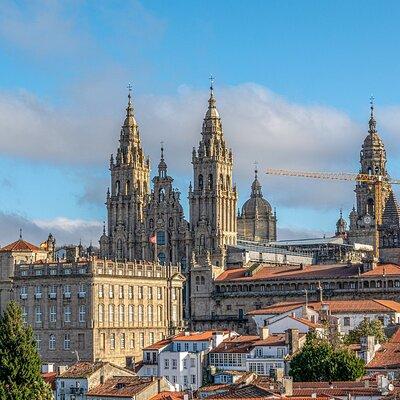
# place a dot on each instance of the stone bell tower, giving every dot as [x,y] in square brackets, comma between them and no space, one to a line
[212,197]
[130,175]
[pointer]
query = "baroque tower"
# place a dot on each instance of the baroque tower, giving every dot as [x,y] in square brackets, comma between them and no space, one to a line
[130,175]
[373,162]
[213,197]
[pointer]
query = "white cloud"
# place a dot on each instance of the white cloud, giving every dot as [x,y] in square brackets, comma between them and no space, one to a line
[65,230]
[258,125]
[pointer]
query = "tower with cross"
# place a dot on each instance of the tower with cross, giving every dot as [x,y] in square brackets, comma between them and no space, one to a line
[127,195]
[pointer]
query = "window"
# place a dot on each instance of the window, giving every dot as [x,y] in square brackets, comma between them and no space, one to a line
[161,238]
[161,258]
[140,314]
[174,364]
[111,291]
[194,346]
[150,293]
[38,340]
[174,293]
[185,380]
[160,314]
[192,363]
[346,321]
[23,292]
[166,363]
[38,315]
[67,291]
[101,313]
[186,346]
[67,341]
[201,183]
[24,314]
[101,291]
[210,181]
[131,313]
[149,314]
[67,314]
[193,379]
[184,364]
[38,292]
[82,313]
[111,313]
[82,290]
[52,342]
[132,341]
[121,292]
[174,313]
[112,341]
[159,293]
[130,292]
[103,341]
[140,292]
[142,340]
[81,341]
[121,311]
[67,271]
[53,314]
[53,292]
[122,340]
[117,188]
[151,337]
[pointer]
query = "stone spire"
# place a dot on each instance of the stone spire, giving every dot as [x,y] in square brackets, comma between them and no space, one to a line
[256,186]
[130,118]
[341,225]
[162,165]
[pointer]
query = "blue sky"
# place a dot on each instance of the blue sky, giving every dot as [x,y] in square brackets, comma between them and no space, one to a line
[293,81]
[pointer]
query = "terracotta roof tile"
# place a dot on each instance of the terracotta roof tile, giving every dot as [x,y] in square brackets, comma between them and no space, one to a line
[82,369]
[387,357]
[169,396]
[335,306]
[20,245]
[314,272]
[121,386]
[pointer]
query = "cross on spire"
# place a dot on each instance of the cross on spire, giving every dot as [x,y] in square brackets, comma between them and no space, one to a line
[20,233]
[255,168]
[371,102]
[129,87]
[212,79]
[162,149]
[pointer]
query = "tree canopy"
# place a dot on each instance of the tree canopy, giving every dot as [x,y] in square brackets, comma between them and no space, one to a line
[20,364]
[366,328]
[319,361]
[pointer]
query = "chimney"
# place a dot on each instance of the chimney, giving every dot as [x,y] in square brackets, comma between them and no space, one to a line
[264,333]
[292,340]
[218,338]
[287,382]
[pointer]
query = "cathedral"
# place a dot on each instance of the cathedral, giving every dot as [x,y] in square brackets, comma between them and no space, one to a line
[145,216]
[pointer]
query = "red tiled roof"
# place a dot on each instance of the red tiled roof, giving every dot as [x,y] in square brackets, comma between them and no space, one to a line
[50,379]
[159,345]
[313,272]
[169,396]
[20,245]
[195,336]
[307,322]
[396,337]
[82,369]
[335,306]
[120,386]
[387,357]
[252,392]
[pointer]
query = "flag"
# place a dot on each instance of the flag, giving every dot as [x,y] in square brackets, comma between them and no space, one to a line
[153,239]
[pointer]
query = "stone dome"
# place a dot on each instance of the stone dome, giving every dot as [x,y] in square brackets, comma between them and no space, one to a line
[256,204]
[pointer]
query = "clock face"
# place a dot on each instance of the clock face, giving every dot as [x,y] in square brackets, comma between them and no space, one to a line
[367,220]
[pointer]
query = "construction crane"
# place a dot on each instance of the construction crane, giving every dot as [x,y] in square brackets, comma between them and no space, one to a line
[377,181]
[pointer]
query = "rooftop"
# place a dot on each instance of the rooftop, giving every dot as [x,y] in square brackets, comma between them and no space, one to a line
[20,245]
[120,386]
[82,369]
[335,306]
[388,356]
[314,272]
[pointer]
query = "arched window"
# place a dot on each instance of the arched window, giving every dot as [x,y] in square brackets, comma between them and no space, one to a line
[201,183]
[131,313]
[161,258]
[210,182]
[101,312]
[140,314]
[161,238]
[171,222]
[121,312]
[370,206]
[203,281]
[161,195]
[52,342]
[127,187]
[117,188]
[111,313]
[197,280]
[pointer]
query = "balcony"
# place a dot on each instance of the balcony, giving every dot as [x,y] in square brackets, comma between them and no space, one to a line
[82,295]
[67,295]
[23,296]
[52,296]
[38,295]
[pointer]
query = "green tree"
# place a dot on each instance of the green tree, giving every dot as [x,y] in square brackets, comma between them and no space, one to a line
[20,365]
[366,328]
[319,361]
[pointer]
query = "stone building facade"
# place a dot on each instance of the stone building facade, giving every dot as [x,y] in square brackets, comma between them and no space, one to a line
[98,309]
[256,222]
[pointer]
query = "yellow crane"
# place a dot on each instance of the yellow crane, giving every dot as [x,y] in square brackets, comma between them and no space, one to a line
[377,181]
